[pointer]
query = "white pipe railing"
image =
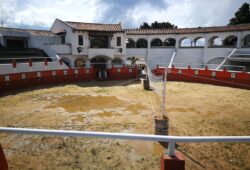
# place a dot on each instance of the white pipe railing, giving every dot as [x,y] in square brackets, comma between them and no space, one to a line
[22,58]
[127,136]
[172,59]
[226,59]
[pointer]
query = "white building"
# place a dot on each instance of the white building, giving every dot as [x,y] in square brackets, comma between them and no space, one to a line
[82,44]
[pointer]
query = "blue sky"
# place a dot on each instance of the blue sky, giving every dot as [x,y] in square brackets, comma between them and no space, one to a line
[40,14]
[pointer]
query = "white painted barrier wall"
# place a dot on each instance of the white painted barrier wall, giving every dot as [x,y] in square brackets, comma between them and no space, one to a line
[36,66]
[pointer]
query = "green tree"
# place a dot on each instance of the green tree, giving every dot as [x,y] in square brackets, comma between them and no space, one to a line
[157,25]
[145,26]
[242,16]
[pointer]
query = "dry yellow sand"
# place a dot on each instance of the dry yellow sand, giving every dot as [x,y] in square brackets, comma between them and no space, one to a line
[193,109]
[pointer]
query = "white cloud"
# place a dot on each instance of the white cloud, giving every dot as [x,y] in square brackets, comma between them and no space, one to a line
[43,13]
[189,13]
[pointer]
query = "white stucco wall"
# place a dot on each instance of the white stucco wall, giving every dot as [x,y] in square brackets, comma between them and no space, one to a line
[42,42]
[36,66]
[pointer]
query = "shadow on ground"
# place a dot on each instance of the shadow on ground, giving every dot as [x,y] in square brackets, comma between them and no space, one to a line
[80,84]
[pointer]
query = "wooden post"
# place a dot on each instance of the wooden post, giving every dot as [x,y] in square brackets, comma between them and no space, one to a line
[30,62]
[14,63]
[3,161]
[206,67]
[45,61]
[61,61]
[176,162]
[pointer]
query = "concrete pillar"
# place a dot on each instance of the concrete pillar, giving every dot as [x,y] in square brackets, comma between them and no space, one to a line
[205,49]
[148,49]
[176,162]
[1,40]
[109,63]
[238,40]
[177,39]
[145,84]
[72,62]
[88,64]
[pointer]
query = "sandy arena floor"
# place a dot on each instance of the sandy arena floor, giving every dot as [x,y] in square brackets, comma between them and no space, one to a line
[193,109]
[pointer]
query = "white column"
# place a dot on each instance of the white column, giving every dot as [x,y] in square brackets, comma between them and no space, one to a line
[148,49]
[88,64]
[109,63]
[1,40]
[72,62]
[205,48]
[238,40]
[177,38]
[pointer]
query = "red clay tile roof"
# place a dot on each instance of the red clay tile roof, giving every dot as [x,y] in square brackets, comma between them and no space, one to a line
[29,31]
[95,27]
[241,27]
[59,31]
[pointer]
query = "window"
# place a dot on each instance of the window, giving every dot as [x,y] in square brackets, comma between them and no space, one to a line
[99,42]
[80,40]
[63,39]
[118,41]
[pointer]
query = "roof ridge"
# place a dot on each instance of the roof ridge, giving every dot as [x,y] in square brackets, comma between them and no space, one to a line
[224,26]
[25,29]
[90,23]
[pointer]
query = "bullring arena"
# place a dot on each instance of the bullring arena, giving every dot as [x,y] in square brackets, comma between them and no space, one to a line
[82,78]
[193,109]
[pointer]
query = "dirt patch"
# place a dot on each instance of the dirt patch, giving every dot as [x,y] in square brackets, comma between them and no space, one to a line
[193,110]
[79,103]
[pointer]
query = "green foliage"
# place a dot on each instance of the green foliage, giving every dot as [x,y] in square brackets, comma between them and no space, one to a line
[242,16]
[157,25]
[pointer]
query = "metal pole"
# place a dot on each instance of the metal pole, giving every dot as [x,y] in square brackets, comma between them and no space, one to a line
[172,59]
[165,85]
[126,136]
[217,68]
[164,92]
[171,148]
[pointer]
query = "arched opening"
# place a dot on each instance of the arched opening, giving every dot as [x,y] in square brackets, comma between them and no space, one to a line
[199,42]
[246,41]
[170,42]
[99,62]
[79,62]
[117,62]
[130,43]
[185,42]
[215,41]
[230,41]
[156,42]
[141,43]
